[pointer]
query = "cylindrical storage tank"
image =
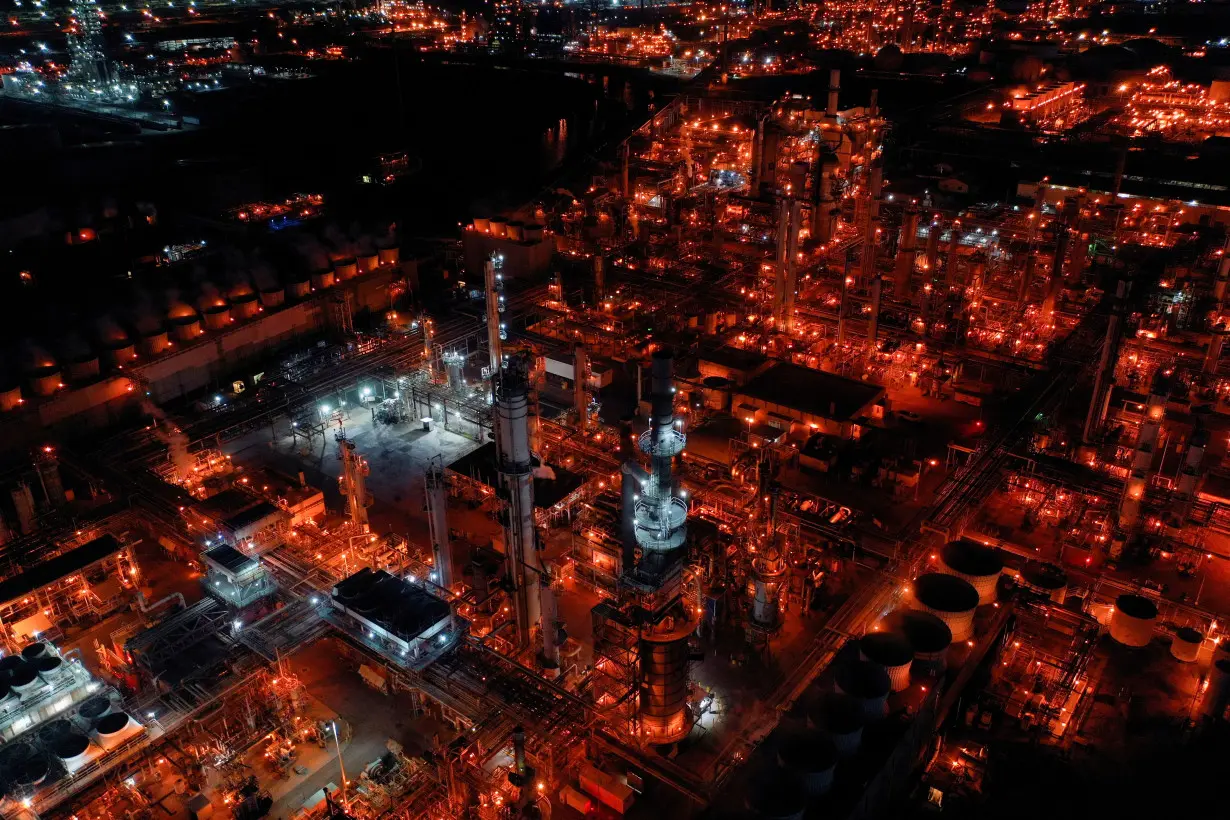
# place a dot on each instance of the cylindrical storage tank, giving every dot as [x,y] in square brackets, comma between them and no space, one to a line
[533,232]
[82,367]
[217,316]
[245,306]
[346,268]
[72,749]
[26,680]
[664,685]
[368,261]
[868,684]
[10,664]
[980,566]
[300,288]
[110,729]
[51,668]
[482,224]
[10,397]
[1186,644]
[777,794]
[711,323]
[717,392]
[499,226]
[1133,619]
[94,709]
[322,279]
[892,651]
[31,773]
[1045,580]
[45,380]
[273,296]
[185,328]
[1217,695]
[34,651]
[516,230]
[949,598]
[119,353]
[928,635]
[812,756]
[155,341]
[841,718]
[390,255]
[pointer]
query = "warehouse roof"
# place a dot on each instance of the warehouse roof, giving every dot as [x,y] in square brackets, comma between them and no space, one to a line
[812,391]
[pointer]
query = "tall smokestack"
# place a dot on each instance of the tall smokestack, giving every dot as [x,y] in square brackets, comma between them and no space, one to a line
[437,522]
[493,283]
[830,109]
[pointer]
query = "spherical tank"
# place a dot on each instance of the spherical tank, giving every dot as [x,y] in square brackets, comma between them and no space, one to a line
[980,566]
[892,651]
[346,268]
[1185,646]
[949,598]
[1133,619]
[841,717]
[812,756]
[867,683]
[390,255]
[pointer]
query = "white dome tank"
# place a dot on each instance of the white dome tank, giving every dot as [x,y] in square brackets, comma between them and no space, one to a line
[1133,619]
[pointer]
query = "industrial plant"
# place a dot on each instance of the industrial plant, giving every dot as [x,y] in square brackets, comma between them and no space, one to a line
[837,429]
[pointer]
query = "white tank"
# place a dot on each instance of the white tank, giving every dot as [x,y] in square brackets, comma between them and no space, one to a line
[110,730]
[892,652]
[812,756]
[119,354]
[322,279]
[45,381]
[82,368]
[390,255]
[301,288]
[273,297]
[1133,619]
[346,268]
[186,328]
[10,398]
[368,262]
[869,685]
[980,566]
[951,599]
[155,342]
[1185,646]
[217,316]
[841,717]
[245,307]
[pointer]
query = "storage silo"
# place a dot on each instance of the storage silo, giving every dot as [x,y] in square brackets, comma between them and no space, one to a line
[811,755]
[1185,646]
[868,684]
[980,566]
[1133,619]
[929,637]
[949,598]
[1045,580]
[892,651]
[840,716]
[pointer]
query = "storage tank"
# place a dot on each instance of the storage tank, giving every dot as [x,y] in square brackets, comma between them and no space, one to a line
[368,261]
[664,683]
[711,323]
[499,226]
[533,232]
[10,664]
[82,367]
[717,392]
[245,306]
[482,224]
[949,598]
[51,669]
[44,380]
[92,710]
[118,353]
[1217,695]
[154,341]
[110,729]
[516,230]
[390,255]
[300,287]
[1045,580]
[185,328]
[346,268]
[892,651]
[812,756]
[868,684]
[1186,644]
[72,749]
[33,651]
[776,794]
[840,716]
[979,565]
[25,680]
[929,637]
[322,278]
[272,296]
[1132,620]
[217,315]
[10,397]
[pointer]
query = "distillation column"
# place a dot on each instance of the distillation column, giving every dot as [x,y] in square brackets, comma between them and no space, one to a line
[768,575]
[786,281]
[495,304]
[437,522]
[353,482]
[512,424]
[1105,375]
[904,266]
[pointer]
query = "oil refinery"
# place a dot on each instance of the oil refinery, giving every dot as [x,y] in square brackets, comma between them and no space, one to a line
[837,430]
